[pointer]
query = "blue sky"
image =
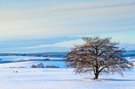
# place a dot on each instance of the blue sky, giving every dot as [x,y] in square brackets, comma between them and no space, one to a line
[56,25]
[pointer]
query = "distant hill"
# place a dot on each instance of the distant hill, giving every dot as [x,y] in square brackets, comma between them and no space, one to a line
[129,53]
[47,54]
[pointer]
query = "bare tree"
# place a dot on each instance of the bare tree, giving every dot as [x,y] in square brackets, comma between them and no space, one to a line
[98,55]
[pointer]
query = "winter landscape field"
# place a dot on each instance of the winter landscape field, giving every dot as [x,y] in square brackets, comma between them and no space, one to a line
[67,44]
[19,75]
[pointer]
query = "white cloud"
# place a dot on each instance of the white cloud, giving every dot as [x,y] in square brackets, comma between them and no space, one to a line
[66,44]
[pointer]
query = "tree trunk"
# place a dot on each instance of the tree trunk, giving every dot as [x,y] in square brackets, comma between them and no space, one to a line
[96,75]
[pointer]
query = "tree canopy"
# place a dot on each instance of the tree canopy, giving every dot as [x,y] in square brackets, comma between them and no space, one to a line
[98,55]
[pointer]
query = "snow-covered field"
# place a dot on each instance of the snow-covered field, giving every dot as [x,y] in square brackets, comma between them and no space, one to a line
[61,78]
[19,75]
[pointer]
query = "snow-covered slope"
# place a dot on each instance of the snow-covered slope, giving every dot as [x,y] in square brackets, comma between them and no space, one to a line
[28,64]
[28,61]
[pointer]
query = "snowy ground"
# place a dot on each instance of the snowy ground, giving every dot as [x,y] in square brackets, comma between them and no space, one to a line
[58,78]
[61,78]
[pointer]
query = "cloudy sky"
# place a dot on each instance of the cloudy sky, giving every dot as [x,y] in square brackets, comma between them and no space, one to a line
[56,25]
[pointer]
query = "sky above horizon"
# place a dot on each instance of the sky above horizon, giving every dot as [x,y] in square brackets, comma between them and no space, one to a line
[57,25]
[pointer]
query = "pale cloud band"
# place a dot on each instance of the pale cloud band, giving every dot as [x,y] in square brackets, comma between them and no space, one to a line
[50,19]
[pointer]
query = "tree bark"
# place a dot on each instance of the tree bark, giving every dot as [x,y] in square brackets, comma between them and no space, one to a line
[96,75]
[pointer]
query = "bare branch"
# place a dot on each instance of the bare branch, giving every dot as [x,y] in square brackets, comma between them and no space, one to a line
[98,55]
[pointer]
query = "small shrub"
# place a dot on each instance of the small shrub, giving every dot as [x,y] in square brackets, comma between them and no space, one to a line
[52,67]
[33,66]
[41,65]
